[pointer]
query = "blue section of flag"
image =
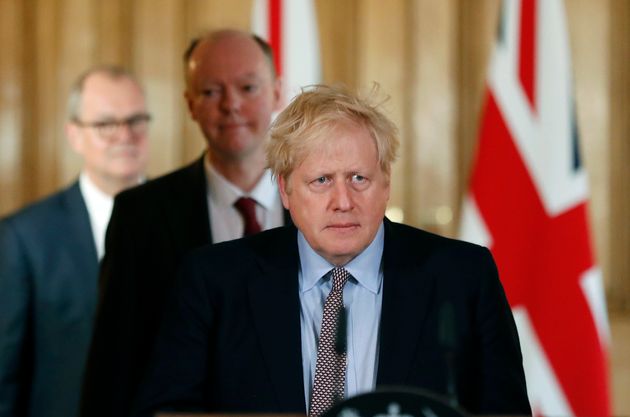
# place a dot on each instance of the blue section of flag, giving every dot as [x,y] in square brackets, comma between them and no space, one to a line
[575,139]
[501,28]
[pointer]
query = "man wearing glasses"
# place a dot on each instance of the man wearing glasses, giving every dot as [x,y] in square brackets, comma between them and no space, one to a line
[50,250]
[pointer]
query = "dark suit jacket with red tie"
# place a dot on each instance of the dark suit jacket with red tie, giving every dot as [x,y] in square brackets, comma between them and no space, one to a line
[231,341]
[152,227]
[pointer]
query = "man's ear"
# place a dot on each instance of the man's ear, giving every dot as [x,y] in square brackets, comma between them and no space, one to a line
[284,195]
[388,187]
[188,96]
[74,137]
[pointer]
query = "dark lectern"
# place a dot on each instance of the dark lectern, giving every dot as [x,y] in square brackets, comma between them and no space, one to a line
[395,403]
[381,403]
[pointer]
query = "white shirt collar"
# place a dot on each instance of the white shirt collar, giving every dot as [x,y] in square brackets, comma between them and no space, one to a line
[225,193]
[99,205]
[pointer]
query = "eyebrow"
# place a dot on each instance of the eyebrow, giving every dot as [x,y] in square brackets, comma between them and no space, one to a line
[251,75]
[108,116]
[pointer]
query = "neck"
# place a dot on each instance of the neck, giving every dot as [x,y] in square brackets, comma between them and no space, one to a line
[112,186]
[243,173]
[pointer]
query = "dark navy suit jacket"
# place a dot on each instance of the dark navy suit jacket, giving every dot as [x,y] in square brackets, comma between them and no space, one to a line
[231,342]
[151,229]
[48,284]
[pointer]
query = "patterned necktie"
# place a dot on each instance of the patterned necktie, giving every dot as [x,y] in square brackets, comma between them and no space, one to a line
[247,207]
[330,370]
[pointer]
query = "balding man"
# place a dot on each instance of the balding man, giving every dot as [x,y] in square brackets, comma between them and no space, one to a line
[49,251]
[231,92]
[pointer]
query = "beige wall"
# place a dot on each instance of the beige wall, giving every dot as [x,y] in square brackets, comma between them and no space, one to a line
[430,56]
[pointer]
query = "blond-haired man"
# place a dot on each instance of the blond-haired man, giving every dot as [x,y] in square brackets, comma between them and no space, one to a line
[293,319]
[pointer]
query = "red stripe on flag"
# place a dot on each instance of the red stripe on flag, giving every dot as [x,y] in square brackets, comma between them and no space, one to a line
[275,32]
[541,259]
[527,57]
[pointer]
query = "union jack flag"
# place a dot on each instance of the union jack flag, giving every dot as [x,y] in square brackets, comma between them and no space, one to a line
[528,204]
[290,27]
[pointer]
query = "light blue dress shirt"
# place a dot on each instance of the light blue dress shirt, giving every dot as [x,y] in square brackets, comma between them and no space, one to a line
[362,298]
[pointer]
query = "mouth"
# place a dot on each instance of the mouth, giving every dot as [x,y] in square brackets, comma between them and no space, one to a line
[233,125]
[342,227]
[125,152]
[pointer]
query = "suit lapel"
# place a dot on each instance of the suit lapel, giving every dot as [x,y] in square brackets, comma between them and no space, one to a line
[187,211]
[275,304]
[406,300]
[78,222]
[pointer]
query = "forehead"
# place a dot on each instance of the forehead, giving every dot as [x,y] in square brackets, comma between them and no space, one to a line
[111,95]
[228,57]
[345,142]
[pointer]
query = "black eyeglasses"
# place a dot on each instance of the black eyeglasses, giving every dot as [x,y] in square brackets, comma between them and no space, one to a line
[108,129]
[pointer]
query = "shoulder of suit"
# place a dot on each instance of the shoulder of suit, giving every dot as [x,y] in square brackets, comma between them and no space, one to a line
[41,211]
[177,181]
[413,247]
[418,236]
[267,243]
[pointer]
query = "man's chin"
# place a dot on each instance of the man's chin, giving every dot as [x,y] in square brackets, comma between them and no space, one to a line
[128,173]
[236,150]
[343,252]
[340,257]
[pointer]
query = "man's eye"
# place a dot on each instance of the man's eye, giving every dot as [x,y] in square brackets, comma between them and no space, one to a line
[105,124]
[359,182]
[250,88]
[138,121]
[323,180]
[320,184]
[209,92]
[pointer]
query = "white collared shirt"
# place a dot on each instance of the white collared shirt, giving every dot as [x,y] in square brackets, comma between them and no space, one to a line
[99,206]
[225,220]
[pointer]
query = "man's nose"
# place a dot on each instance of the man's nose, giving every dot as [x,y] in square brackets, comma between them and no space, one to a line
[124,132]
[342,197]
[231,100]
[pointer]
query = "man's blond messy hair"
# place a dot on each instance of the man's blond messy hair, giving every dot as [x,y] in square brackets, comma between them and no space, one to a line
[312,119]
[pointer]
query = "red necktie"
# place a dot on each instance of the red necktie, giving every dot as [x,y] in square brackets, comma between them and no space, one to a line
[247,207]
[330,370]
